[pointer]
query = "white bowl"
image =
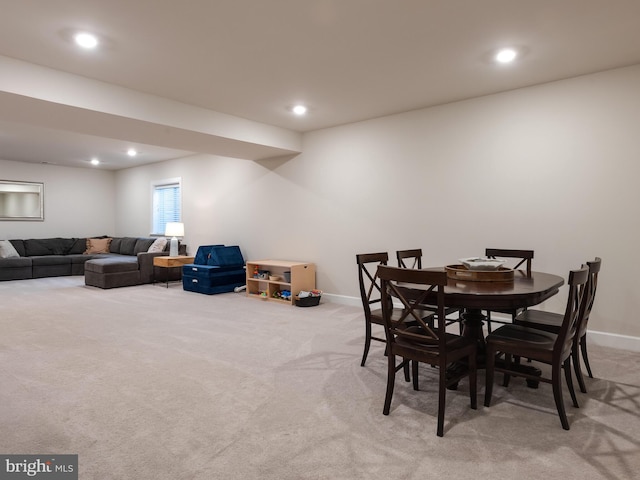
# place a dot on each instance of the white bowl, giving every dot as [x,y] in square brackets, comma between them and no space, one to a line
[482,263]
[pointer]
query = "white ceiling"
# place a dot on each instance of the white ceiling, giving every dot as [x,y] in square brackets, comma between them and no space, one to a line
[348,60]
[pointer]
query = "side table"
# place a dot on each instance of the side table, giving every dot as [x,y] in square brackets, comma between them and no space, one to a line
[168,263]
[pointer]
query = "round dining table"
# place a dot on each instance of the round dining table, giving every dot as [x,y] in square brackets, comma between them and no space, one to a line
[476,297]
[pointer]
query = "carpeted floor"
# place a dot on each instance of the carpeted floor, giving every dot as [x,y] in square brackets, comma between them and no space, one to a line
[154,383]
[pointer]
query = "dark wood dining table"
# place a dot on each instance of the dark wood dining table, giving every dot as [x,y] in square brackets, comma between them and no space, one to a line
[477,297]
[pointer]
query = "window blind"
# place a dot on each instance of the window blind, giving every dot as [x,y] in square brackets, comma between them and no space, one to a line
[166,206]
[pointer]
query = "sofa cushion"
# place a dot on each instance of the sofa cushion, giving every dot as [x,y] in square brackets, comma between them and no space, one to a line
[47,246]
[33,247]
[50,260]
[16,262]
[97,245]
[7,250]
[17,268]
[50,266]
[82,257]
[142,245]
[112,264]
[62,246]
[128,246]
[116,245]
[78,246]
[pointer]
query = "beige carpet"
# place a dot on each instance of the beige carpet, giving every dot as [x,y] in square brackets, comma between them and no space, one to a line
[155,383]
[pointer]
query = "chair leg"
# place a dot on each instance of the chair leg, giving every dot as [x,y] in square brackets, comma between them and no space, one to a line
[567,373]
[414,373]
[507,365]
[489,367]
[442,396]
[575,358]
[391,380]
[367,342]
[405,369]
[488,321]
[585,357]
[473,380]
[557,395]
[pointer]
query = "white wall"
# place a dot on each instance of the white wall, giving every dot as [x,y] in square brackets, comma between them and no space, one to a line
[78,202]
[551,168]
[215,195]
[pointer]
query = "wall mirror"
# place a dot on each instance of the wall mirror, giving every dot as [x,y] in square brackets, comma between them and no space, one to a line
[21,200]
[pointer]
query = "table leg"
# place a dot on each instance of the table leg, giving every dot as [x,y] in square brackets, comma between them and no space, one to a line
[166,270]
[472,321]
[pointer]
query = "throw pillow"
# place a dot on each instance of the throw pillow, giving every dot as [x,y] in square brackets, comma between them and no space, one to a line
[97,245]
[7,250]
[158,245]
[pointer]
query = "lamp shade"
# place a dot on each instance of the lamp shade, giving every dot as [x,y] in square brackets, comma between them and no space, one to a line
[174,229]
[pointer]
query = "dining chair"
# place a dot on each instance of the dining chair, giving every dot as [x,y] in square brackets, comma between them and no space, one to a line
[552,322]
[412,258]
[541,346]
[418,341]
[409,258]
[370,293]
[519,257]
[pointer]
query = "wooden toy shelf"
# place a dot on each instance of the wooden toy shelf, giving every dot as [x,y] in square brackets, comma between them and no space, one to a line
[302,277]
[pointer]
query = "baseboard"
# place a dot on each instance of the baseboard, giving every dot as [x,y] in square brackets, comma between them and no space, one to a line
[604,339]
[614,340]
[342,299]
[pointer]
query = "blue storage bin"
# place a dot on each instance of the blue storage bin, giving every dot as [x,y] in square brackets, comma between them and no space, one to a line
[216,269]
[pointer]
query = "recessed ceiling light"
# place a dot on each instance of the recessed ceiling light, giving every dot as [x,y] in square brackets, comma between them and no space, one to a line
[299,109]
[95,161]
[86,40]
[132,152]
[506,55]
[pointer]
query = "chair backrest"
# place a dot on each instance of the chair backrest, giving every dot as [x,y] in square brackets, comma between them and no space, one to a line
[524,256]
[427,289]
[589,296]
[409,258]
[577,288]
[370,291]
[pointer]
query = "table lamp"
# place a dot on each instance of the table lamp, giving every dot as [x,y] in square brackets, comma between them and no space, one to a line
[173,230]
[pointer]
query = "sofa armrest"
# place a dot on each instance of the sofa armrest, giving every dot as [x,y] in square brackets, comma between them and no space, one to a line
[145,264]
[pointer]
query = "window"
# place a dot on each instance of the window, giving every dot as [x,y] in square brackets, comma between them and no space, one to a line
[166,204]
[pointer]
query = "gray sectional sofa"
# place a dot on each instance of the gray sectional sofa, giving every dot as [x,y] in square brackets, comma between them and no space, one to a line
[128,261]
